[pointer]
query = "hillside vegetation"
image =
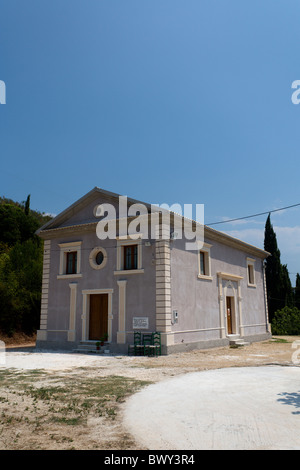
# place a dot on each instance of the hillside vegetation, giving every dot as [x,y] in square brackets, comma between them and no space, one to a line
[21,264]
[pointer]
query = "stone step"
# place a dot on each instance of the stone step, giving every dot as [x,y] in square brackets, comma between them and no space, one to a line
[238,342]
[87,351]
[89,347]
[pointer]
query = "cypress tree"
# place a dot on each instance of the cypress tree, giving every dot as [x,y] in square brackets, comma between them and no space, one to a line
[286,288]
[279,286]
[273,266]
[297,292]
[27,205]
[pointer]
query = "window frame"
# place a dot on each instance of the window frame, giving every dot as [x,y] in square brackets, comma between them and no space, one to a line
[121,244]
[251,272]
[130,260]
[65,249]
[93,256]
[71,262]
[203,263]
[204,251]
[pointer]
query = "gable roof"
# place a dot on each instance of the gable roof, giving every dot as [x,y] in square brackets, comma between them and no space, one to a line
[81,203]
[55,224]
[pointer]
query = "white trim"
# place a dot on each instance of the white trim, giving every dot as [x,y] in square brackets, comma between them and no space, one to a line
[237,302]
[207,263]
[72,318]
[197,330]
[129,271]
[251,264]
[86,311]
[163,308]
[92,258]
[206,278]
[69,244]
[120,258]
[68,276]
[45,290]
[97,291]
[234,307]
[254,325]
[64,249]
[121,333]
[230,277]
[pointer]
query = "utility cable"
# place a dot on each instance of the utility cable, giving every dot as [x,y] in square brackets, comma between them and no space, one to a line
[254,215]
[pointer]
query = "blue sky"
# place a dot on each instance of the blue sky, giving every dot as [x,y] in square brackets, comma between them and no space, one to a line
[166,101]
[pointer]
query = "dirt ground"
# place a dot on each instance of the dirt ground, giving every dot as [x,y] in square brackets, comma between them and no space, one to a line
[77,401]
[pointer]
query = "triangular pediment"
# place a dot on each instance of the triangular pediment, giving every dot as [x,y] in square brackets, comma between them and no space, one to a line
[83,211]
[82,214]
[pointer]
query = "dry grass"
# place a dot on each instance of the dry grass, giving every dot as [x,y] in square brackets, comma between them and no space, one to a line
[39,411]
[81,408]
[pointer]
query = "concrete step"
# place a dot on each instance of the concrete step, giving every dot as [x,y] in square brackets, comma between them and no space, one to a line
[238,342]
[90,347]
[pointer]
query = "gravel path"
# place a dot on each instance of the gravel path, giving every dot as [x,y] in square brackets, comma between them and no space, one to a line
[226,409]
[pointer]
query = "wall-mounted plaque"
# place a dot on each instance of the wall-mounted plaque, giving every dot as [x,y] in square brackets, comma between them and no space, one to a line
[140,323]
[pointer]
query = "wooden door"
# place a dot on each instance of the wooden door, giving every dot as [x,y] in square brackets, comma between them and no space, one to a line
[98,325]
[229,314]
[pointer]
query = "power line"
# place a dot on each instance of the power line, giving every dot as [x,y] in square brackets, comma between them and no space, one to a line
[254,215]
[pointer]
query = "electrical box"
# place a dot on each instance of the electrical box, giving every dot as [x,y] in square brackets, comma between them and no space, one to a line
[175,316]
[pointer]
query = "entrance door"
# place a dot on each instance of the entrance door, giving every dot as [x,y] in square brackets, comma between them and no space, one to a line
[98,325]
[229,312]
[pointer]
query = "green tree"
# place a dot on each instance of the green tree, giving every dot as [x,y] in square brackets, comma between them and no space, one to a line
[27,205]
[273,269]
[279,287]
[21,261]
[20,287]
[15,225]
[286,290]
[286,321]
[297,291]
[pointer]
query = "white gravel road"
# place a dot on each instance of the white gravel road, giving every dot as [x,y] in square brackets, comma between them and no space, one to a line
[230,409]
[58,360]
[233,408]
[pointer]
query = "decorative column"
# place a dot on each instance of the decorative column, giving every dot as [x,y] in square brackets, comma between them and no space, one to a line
[42,332]
[221,306]
[239,299]
[121,334]
[163,285]
[72,318]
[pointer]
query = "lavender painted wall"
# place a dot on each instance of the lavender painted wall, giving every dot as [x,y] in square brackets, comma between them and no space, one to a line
[197,300]
[200,303]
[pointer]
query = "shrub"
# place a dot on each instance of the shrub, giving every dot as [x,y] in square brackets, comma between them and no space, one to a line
[286,322]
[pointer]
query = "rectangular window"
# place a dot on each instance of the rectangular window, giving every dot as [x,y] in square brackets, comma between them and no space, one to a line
[69,260]
[204,265]
[130,257]
[71,265]
[251,272]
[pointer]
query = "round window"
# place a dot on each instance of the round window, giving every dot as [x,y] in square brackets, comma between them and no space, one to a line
[98,258]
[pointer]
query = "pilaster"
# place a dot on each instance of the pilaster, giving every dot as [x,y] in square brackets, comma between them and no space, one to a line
[163,285]
[121,334]
[72,318]
[42,332]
